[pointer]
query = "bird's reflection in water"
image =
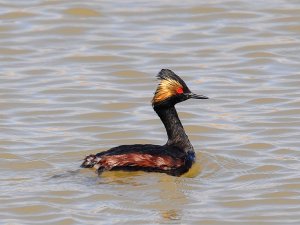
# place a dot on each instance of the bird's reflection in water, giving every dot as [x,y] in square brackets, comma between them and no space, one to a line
[171,215]
[173,195]
[164,196]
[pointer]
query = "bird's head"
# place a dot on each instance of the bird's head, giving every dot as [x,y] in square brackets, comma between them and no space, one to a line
[172,90]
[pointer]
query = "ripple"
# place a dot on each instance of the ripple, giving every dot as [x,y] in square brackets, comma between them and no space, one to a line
[267,100]
[16,15]
[82,12]
[95,58]
[258,146]
[27,165]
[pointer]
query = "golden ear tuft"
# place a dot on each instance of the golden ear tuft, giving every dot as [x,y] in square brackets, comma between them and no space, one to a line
[166,88]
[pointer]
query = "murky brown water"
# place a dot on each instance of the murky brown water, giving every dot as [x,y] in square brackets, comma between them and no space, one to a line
[77,78]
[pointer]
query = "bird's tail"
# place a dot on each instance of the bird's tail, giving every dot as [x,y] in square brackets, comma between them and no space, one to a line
[90,161]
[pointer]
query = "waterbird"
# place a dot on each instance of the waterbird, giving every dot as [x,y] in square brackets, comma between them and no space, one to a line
[174,158]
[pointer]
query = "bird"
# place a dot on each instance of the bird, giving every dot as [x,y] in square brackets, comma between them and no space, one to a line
[175,157]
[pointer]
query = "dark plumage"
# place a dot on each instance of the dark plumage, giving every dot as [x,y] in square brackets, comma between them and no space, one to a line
[175,157]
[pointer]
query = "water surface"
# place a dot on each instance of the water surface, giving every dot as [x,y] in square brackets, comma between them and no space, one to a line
[77,78]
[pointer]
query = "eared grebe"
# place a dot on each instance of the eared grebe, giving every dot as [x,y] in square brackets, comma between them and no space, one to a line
[175,157]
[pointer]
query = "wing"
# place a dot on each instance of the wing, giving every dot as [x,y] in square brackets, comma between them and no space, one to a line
[137,157]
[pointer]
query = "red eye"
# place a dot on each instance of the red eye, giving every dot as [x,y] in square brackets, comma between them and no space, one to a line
[179,90]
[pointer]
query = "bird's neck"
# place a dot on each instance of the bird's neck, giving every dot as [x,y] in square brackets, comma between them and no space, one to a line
[176,134]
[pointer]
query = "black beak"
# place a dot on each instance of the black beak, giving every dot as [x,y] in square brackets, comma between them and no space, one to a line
[195,96]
